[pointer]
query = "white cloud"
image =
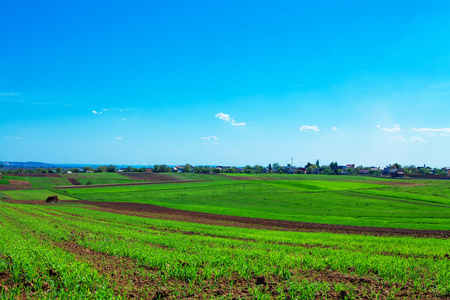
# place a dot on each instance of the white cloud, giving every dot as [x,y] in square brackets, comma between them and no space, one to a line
[400,138]
[96,112]
[395,129]
[119,138]
[432,131]
[335,129]
[13,137]
[210,138]
[122,119]
[418,139]
[309,128]
[238,124]
[223,116]
[227,118]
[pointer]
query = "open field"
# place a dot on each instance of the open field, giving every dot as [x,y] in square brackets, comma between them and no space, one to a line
[215,237]
[71,251]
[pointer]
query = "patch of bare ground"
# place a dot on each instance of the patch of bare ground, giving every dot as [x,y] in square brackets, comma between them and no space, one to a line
[150,177]
[135,280]
[37,175]
[4,187]
[20,183]
[73,181]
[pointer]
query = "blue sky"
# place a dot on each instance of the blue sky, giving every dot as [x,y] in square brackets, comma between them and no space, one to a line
[225,82]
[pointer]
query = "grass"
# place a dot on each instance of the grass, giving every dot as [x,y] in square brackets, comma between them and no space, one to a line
[4,181]
[34,194]
[100,178]
[195,259]
[330,202]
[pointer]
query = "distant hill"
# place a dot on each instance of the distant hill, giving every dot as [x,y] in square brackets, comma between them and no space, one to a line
[25,165]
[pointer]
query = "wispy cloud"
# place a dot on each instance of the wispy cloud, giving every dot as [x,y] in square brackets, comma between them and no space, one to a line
[227,118]
[119,138]
[395,129]
[13,137]
[210,138]
[223,116]
[96,112]
[309,128]
[399,138]
[238,124]
[432,131]
[335,129]
[418,139]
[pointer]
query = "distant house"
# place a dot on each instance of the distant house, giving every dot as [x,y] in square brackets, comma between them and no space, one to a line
[290,171]
[69,172]
[89,171]
[350,166]
[396,173]
[301,171]
[364,172]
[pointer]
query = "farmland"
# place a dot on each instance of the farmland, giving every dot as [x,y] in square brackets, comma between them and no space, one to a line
[205,241]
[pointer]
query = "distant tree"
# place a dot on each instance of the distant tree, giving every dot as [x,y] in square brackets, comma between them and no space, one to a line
[59,170]
[101,169]
[269,167]
[75,170]
[143,169]
[111,168]
[129,169]
[247,169]
[88,169]
[397,166]
[187,168]
[258,169]
[318,163]
[44,171]
[276,166]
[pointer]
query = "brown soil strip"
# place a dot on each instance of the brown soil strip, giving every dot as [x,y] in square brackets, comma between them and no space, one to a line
[20,183]
[36,175]
[13,187]
[150,177]
[73,181]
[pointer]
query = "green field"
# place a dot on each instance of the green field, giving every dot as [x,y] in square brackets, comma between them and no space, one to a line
[67,251]
[74,251]
[330,202]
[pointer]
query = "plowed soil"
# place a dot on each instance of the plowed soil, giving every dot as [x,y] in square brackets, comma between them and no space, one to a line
[12,187]
[20,183]
[73,181]
[150,177]
[160,212]
[37,175]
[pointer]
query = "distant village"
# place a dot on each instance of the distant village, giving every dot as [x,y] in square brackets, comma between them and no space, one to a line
[394,171]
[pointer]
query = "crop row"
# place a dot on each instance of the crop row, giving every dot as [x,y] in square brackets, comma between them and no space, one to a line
[202,254]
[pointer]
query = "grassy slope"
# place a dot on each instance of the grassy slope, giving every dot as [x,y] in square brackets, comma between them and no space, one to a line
[34,194]
[101,178]
[346,203]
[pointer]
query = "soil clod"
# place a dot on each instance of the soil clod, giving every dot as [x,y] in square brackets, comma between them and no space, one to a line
[52,199]
[261,280]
